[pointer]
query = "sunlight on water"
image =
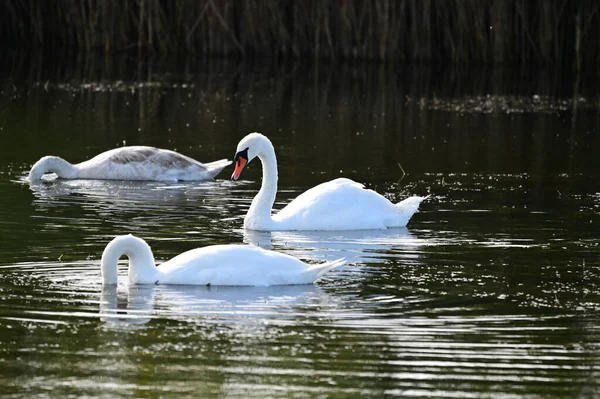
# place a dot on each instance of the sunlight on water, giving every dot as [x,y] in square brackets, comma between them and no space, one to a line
[417,311]
[492,290]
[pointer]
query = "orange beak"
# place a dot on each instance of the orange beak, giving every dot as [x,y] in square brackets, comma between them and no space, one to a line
[239,166]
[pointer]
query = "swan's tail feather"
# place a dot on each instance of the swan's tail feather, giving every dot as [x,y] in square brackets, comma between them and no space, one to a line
[406,209]
[217,166]
[411,204]
[322,268]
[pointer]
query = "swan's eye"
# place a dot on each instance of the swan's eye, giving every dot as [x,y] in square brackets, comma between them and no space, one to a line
[241,154]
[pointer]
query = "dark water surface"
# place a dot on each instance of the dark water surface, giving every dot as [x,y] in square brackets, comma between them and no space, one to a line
[493,290]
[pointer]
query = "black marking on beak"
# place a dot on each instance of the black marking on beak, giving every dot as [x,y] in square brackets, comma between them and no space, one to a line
[239,164]
[241,154]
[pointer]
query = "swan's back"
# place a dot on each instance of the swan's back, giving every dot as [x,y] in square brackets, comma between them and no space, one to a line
[151,155]
[145,163]
[243,265]
[340,204]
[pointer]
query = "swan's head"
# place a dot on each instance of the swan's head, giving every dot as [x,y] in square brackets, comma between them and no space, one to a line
[249,148]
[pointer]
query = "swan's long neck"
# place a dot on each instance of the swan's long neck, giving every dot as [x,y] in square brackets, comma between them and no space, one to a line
[52,164]
[142,269]
[259,214]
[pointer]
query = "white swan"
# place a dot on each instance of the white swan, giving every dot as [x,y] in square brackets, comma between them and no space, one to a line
[340,204]
[130,163]
[239,265]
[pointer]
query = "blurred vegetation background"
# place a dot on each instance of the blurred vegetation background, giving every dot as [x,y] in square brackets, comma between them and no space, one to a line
[563,33]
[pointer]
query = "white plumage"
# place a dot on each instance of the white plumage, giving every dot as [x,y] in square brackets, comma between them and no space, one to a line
[130,163]
[340,204]
[237,265]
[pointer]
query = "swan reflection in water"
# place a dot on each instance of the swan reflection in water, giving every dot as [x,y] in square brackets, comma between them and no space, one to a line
[120,198]
[356,246]
[128,190]
[133,305]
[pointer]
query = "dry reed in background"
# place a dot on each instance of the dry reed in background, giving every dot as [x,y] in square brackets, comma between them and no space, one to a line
[522,32]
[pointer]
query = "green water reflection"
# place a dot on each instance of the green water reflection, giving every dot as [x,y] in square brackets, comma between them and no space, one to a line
[491,291]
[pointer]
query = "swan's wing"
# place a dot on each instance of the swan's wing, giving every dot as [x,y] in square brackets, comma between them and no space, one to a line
[166,159]
[145,163]
[336,205]
[214,168]
[333,190]
[238,265]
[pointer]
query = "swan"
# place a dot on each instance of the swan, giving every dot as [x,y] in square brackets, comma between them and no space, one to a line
[340,204]
[130,163]
[232,264]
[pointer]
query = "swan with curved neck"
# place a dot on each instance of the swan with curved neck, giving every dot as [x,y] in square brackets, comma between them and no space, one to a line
[130,163]
[234,265]
[340,204]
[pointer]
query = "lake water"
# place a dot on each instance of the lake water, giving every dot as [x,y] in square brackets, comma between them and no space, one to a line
[493,289]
